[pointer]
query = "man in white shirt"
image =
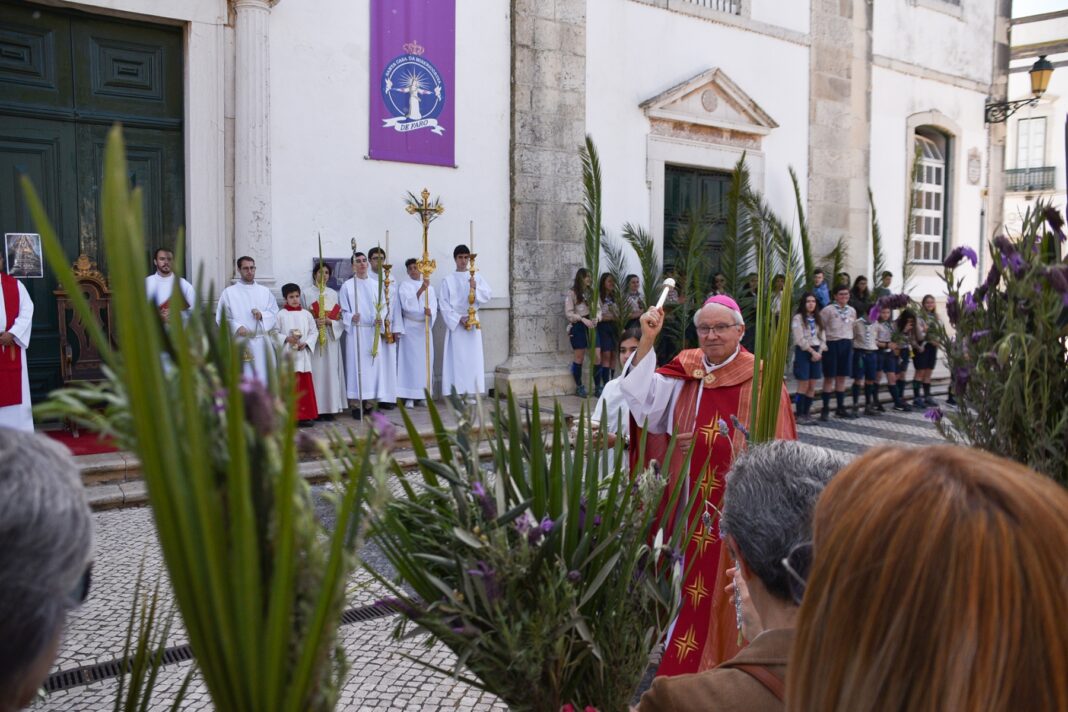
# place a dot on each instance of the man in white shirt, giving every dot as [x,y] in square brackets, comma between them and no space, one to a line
[160,286]
[463,366]
[252,312]
[413,295]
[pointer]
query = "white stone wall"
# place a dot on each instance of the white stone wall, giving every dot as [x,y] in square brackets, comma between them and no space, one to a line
[323,182]
[635,51]
[900,102]
[1053,106]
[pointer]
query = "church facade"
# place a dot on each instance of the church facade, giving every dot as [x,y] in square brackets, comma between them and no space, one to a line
[248,123]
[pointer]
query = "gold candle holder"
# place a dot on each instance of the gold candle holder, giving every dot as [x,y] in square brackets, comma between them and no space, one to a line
[472,315]
[387,333]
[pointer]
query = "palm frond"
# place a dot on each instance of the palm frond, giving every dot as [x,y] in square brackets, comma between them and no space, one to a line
[645,249]
[592,232]
[692,267]
[835,261]
[414,205]
[878,257]
[802,227]
[736,258]
[906,262]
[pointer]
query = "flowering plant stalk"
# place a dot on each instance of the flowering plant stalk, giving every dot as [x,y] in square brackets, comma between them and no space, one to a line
[1007,355]
[257,579]
[550,574]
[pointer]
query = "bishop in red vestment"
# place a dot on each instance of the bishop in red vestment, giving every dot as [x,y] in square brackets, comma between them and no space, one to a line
[696,395]
[16,324]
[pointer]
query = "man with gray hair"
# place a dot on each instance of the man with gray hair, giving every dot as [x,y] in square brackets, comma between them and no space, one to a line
[46,546]
[700,395]
[771,493]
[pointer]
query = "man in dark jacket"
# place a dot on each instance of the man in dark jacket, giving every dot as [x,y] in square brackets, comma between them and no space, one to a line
[767,512]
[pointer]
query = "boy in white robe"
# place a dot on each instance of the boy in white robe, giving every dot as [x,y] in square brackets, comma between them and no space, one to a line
[160,285]
[385,393]
[327,364]
[362,369]
[252,312]
[413,295]
[16,323]
[463,363]
[297,336]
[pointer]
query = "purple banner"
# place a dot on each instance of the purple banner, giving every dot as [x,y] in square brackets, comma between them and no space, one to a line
[413,65]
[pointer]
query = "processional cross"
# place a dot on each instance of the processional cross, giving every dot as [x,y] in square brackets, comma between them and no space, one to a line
[428,212]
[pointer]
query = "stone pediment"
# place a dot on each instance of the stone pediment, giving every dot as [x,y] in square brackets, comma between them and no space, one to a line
[710,99]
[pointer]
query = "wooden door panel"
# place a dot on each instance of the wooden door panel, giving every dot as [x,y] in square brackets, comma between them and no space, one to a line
[35,61]
[44,151]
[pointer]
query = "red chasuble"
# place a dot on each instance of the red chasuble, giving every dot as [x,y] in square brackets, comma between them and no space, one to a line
[706,632]
[10,356]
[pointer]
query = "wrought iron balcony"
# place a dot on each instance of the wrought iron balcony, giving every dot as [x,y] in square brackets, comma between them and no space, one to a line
[1029,180]
[734,7]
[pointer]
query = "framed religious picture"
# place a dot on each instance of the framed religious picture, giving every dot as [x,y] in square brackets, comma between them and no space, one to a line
[22,255]
[340,270]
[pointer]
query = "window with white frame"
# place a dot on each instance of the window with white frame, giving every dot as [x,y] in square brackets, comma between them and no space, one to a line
[1031,143]
[929,196]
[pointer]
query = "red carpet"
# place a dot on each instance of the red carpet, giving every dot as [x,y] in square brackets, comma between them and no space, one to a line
[89,443]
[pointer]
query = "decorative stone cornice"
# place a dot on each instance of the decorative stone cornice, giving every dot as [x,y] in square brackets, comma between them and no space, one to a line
[711,100]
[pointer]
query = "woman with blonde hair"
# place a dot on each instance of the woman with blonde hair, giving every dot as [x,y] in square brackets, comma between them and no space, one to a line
[938,582]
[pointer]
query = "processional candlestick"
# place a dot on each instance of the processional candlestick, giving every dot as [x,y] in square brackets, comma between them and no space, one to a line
[426,266]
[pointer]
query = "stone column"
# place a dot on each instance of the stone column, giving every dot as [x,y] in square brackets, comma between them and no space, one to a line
[839,131]
[999,91]
[252,135]
[546,237]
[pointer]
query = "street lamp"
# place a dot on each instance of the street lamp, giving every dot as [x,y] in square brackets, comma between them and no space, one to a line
[1040,73]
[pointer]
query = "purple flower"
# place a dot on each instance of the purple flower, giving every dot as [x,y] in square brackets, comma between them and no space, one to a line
[1015,263]
[721,424]
[970,304]
[958,254]
[1057,276]
[478,489]
[961,375]
[933,414]
[992,279]
[259,405]
[485,572]
[952,310]
[485,502]
[597,520]
[574,576]
[535,535]
[738,426]
[525,523]
[384,430]
[979,334]
[873,313]
[1056,222]
[546,525]
[219,400]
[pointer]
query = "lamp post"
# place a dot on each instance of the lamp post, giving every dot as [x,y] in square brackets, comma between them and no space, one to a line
[1040,72]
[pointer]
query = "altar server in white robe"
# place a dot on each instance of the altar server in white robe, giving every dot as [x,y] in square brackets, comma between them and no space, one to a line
[386,388]
[16,322]
[412,295]
[160,285]
[362,371]
[253,314]
[463,363]
[327,365]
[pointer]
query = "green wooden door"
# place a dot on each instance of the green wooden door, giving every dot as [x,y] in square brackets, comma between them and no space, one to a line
[65,78]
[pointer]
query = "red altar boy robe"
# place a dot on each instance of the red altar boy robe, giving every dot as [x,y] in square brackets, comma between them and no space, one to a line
[688,399]
[299,322]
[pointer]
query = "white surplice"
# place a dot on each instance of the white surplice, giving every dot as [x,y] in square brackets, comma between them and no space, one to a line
[386,385]
[238,300]
[327,366]
[160,289]
[20,416]
[290,323]
[463,364]
[411,354]
[359,296]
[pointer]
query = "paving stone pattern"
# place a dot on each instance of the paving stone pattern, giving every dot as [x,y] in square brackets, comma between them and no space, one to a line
[380,678]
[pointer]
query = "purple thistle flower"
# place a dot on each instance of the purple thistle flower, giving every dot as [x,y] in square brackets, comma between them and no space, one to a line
[970,305]
[1056,222]
[979,334]
[961,375]
[952,310]
[384,430]
[485,572]
[259,405]
[958,254]
[933,414]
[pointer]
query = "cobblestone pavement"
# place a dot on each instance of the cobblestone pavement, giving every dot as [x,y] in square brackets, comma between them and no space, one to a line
[380,678]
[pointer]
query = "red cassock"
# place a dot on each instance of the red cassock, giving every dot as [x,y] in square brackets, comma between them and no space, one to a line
[706,633]
[307,407]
